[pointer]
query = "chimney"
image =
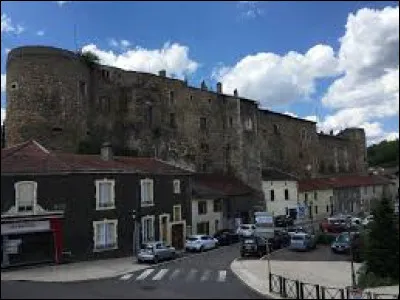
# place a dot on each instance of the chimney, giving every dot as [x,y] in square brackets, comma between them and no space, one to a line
[203,86]
[331,132]
[162,73]
[235,93]
[219,87]
[106,152]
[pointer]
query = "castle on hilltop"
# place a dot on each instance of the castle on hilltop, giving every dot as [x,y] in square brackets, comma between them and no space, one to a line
[57,98]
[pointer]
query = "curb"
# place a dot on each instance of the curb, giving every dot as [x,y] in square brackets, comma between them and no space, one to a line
[243,281]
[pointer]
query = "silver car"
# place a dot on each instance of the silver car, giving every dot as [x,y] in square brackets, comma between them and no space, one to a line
[155,252]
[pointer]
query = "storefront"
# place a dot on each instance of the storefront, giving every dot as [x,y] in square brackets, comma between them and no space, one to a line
[30,241]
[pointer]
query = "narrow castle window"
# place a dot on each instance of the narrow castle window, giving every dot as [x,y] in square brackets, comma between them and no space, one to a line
[303,134]
[203,123]
[14,86]
[230,122]
[171,97]
[276,129]
[82,88]
[204,147]
[172,121]
[150,115]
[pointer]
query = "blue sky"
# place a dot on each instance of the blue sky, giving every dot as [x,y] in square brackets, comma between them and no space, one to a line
[304,58]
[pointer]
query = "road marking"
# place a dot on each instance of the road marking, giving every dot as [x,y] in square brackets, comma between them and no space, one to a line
[191,275]
[205,275]
[174,274]
[126,276]
[160,274]
[221,276]
[144,274]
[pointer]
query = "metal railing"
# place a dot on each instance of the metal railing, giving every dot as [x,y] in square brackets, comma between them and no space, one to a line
[295,289]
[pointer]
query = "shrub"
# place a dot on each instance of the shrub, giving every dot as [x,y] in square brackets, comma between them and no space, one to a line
[368,279]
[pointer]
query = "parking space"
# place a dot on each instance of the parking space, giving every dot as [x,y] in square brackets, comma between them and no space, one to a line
[322,253]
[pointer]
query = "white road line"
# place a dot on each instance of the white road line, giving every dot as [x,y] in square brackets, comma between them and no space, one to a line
[221,276]
[144,274]
[205,275]
[160,274]
[192,274]
[126,276]
[174,274]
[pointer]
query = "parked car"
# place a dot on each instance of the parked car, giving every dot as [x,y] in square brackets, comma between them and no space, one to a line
[333,225]
[226,237]
[245,230]
[283,221]
[280,240]
[253,246]
[155,252]
[303,241]
[200,243]
[368,220]
[293,231]
[341,244]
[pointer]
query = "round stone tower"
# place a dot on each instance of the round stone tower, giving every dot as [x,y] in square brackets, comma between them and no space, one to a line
[47,97]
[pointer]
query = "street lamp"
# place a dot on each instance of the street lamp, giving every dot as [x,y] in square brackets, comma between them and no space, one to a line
[353,274]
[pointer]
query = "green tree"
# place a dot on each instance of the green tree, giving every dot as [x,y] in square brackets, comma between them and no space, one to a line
[382,249]
[386,153]
[90,58]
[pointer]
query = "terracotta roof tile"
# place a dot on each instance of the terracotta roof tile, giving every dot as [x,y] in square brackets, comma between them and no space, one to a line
[31,157]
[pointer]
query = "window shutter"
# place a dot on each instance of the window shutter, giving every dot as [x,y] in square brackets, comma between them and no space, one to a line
[151,192]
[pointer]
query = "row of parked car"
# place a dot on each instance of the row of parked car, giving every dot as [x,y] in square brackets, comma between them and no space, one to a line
[341,223]
[158,251]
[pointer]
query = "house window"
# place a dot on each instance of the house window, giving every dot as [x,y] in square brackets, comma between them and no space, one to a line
[202,207]
[217,205]
[306,197]
[147,193]
[316,209]
[105,194]
[171,97]
[177,186]
[203,228]
[373,190]
[327,208]
[286,194]
[315,196]
[203,123]
[105,235]
[216,225]
[25,196]
[172,120]
[365,190]
[147,229]
[272,194]
[177,213]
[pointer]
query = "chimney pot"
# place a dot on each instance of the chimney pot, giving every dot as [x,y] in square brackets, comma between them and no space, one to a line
[331,132]
[162,73]
[106,152]
[235,93]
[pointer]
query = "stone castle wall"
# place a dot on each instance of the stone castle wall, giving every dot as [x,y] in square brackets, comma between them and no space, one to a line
[56,98]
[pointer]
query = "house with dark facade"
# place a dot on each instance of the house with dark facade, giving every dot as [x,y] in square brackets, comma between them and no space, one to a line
[221,202]
[85,207]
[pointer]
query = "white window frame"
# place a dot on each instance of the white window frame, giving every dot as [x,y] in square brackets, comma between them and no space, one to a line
[174,217]
[152,238]
[143,195]
[17,196]
[177,186]
[98,183]
[105,221]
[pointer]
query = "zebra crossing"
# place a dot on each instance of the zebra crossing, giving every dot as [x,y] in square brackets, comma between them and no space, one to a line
[173,274]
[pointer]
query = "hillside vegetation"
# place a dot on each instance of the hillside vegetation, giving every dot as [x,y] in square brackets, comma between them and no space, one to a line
[385,154]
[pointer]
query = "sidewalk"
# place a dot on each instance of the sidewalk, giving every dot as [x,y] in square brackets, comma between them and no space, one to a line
[335,274]
[254,273]
[79,271]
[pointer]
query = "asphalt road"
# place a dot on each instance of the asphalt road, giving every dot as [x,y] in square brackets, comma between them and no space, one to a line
[204,275]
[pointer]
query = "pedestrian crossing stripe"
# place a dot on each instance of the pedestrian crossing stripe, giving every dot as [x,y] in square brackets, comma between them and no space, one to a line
[192,274]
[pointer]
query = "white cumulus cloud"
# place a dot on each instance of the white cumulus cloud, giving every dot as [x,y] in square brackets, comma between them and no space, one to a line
[3,82]
[174,58]
[40,33]
[273,79]
[8,27]
[119,44]
[368,91]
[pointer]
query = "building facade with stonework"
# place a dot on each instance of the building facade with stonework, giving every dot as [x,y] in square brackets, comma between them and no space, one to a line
[57,98]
